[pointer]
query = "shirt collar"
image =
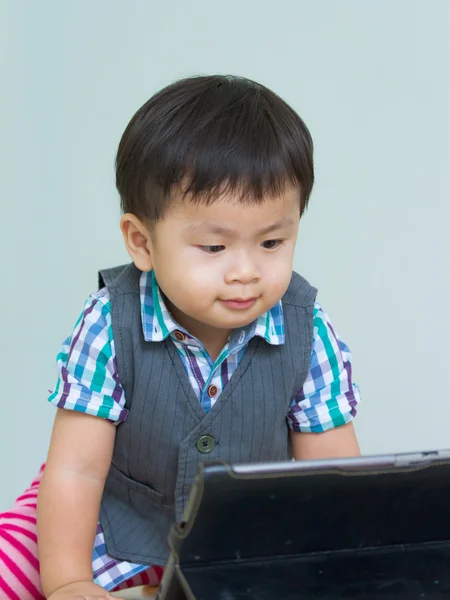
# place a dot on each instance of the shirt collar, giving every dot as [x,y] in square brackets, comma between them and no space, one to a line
[158,323]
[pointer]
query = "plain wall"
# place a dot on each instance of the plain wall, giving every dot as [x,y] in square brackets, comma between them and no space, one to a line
[372,81]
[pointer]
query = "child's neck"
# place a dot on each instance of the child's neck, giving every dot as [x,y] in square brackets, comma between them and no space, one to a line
[213,339]
[215,347]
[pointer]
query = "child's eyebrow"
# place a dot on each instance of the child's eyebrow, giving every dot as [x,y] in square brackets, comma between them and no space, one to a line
[217,229]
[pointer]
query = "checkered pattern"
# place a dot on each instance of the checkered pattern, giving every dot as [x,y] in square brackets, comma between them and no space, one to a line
[328,397]
[88,380]
[109,572]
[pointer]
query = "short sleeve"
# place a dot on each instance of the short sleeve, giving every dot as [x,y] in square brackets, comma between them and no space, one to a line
[329,396]
[87,368]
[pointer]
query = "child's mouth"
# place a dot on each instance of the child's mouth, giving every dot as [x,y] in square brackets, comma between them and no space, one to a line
[239,303]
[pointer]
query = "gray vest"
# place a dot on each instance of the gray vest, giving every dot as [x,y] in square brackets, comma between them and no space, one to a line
[159,447]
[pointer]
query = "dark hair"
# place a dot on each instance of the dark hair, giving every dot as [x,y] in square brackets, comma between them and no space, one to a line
[212,134]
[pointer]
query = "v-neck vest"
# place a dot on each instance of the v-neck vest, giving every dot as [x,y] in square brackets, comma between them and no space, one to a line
[159,447]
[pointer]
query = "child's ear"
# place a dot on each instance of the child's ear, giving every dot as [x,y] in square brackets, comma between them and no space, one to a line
[137,241]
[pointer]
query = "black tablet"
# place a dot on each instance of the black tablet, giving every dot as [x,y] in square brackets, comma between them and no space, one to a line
[370,527]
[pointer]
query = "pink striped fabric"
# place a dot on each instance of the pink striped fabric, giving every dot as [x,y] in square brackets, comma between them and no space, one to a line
[19,565]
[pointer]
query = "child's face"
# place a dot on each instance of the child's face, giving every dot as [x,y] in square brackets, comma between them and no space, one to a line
[223,265]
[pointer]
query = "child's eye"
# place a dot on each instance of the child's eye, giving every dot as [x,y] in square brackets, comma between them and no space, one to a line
[271,244]
[212,249]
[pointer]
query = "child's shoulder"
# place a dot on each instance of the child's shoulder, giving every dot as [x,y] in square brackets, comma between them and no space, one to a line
[95,318]
[98,301]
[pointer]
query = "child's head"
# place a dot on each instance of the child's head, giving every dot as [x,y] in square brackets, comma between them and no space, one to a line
[213,175]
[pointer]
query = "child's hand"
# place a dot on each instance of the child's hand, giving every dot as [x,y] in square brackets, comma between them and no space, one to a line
[81,590]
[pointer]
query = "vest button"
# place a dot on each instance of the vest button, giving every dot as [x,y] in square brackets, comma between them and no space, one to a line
[212,391]
[206,444]
[179,335]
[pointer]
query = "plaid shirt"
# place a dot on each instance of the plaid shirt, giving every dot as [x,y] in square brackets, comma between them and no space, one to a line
[88,381]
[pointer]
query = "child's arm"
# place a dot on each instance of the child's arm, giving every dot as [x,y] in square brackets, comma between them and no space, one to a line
[340,442]
[69,497]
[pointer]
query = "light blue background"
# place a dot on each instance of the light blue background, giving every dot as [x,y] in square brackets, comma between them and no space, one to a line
[371,78]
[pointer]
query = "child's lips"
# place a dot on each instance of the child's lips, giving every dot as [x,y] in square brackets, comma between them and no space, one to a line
[239,303]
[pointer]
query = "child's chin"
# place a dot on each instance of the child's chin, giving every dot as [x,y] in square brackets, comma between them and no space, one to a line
[237,321]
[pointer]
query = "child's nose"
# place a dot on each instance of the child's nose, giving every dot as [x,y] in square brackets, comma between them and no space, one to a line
[244,270]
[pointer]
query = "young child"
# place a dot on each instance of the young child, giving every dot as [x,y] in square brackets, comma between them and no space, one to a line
[206,346]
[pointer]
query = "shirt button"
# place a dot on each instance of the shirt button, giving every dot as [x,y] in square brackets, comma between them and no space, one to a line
[212,391]
[179,335]
[206,444]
